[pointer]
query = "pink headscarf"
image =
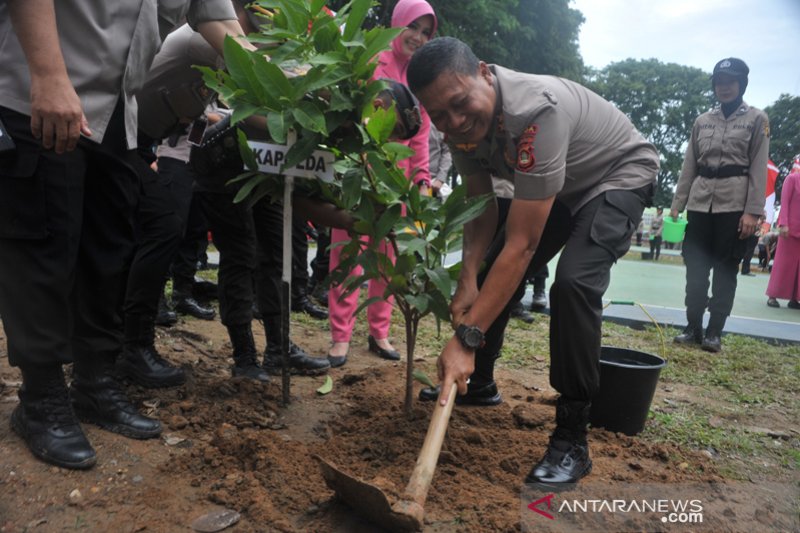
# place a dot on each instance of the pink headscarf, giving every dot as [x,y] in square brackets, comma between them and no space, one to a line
[406,12]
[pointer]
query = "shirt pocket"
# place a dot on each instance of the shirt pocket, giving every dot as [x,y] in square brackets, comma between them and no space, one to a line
[737,144]
[705,140]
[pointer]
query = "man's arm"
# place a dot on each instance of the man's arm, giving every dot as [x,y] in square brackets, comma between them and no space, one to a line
[56,112]
[478,235]
[215,31]
[524,226]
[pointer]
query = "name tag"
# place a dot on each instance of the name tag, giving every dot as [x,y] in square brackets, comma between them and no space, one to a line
[270,157]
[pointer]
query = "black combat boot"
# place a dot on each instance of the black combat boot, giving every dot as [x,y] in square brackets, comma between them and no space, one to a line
[99,399]
[140,362]
[566,460]
[712,341]
[301,303]
[481,389]
[44,419]
[299,361]
[519,312]
[165,316]
[539,299]
[245,356]
[692,334]
[183,301]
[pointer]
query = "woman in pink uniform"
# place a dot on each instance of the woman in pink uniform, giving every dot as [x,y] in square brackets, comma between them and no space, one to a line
[784,281]
[418,18]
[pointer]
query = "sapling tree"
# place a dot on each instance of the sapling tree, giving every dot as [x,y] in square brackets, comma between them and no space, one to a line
[313,77]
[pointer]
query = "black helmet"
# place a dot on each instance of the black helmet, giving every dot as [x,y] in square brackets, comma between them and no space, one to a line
[733,66]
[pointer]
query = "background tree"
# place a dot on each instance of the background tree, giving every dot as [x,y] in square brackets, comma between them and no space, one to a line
[784,142]
[536,36]
[662,100]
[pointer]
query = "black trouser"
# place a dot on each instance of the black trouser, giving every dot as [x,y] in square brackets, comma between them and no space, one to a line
[66,241]
[750,247]
[247,238]
[299,257]
[322,260]
[160,224]
[655,246]
[712,242]
[592,240]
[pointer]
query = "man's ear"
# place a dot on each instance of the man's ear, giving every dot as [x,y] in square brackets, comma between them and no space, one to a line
[485,73]
[380,102]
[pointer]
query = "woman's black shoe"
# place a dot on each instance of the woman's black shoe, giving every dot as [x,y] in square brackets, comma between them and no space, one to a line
[391,355]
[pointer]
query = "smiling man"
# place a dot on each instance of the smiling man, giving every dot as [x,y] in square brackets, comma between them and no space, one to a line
[582,176]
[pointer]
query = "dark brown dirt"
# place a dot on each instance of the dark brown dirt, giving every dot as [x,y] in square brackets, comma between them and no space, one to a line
[231,444]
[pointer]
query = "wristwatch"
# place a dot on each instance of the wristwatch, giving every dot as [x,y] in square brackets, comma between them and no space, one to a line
[471,337]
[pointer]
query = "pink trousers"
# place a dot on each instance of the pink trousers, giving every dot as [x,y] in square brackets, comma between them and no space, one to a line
[342,309]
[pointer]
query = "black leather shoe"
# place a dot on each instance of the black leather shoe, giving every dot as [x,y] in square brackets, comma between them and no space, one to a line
[144,366]
[690,335]
[337,360]
[391,355]
[299,361]
[101,401]
[520,313]
[204,290]
[564,464]
[772,302]
[793,304]
[320,293]
[481,395]
[308,307]
[539,301]
[249,370]
[190,306]
[712,342]
[47,424]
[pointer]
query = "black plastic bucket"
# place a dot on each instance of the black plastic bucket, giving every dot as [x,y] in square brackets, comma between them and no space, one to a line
[628,381]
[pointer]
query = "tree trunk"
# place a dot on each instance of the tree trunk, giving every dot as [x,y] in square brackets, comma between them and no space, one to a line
[411,339]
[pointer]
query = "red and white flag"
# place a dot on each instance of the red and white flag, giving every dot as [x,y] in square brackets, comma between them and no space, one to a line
[769,204]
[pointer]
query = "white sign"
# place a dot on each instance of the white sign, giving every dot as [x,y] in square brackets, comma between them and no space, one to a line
[270,158]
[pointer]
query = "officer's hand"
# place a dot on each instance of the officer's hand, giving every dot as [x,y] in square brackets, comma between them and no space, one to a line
[783,231]
[747,225]
[57,117]
[674,214]
[465,296]
[455,365]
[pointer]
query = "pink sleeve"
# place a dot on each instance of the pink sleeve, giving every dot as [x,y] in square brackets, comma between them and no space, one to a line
[786,199]
[420,161]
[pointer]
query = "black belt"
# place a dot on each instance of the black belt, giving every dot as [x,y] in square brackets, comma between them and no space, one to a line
[728,171]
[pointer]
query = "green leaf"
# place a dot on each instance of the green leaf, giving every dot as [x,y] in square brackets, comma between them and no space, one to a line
[326,387]
[423,378]
[441,280]
[397,151]
[246,152]
[351,189]
[309,116]
[375,40]
[420,302]
[243,111]
[244,192]
[274,81]
[330,58]
[355,18]
[387,221]
[278,126]
[303,148]
[380,122]
[392,177]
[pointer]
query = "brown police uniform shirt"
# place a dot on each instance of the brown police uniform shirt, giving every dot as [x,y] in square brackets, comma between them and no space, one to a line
[552,136]
[108,46]
[741,139]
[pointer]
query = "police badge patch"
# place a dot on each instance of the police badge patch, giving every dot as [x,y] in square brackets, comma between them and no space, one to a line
[526,159]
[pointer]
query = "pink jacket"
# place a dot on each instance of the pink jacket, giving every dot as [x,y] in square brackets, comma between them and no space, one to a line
[790,204]
[393,64]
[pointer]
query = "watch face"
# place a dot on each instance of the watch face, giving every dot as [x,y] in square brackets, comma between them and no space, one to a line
[473,337]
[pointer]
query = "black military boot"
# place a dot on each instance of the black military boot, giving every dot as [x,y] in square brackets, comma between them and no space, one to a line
[712,341]
[165,316]
[183,302]
[245,356]
[140,362]
[99,399]
[44,419]
[299,361]
[481,389]
[302,304]
[566,460]
[692,334]
[519,312]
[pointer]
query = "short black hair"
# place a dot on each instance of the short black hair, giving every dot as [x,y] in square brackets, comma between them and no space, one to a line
[437,56]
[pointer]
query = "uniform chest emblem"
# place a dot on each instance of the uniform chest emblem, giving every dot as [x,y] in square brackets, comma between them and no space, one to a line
[466,147]
[526,158]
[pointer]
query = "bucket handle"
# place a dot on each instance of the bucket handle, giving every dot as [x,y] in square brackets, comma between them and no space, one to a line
[653,320]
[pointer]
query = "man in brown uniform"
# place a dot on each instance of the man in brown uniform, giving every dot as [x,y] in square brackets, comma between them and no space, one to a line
[722,185]
[582,177]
